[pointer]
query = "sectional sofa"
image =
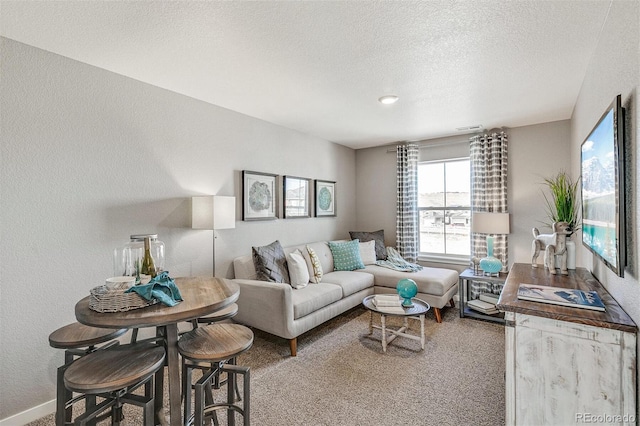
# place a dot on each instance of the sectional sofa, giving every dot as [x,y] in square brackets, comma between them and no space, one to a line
[287,312]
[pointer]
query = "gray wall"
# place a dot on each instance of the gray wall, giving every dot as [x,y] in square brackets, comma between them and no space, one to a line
[90,157]
[535,152]
[615,69]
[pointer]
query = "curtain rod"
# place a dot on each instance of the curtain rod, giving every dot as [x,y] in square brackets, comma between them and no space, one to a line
[426,144]
[432,144]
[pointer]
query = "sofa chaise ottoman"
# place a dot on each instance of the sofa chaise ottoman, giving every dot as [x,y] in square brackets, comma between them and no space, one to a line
[436,286]
[281,310]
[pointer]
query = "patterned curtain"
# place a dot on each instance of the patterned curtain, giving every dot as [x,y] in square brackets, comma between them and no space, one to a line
[488,155]
[407,229]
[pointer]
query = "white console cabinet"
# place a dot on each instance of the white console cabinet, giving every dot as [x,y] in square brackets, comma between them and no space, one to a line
[566,365]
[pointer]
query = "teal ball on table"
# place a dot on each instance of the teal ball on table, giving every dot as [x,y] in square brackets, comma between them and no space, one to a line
[407,289]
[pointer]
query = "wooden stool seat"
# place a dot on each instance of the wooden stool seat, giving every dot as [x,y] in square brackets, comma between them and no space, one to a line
[113,369]
[223,314]
[76,335]
[215,342]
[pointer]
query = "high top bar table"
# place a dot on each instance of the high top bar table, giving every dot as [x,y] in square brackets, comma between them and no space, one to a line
[202,296]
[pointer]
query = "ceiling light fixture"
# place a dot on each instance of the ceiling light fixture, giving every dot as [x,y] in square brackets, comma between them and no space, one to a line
[388,99]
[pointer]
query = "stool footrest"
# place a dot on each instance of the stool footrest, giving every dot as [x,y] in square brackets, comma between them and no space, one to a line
[209,409]
[96,412]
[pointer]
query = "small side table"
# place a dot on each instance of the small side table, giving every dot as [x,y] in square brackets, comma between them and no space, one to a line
[465,311]
[417,311]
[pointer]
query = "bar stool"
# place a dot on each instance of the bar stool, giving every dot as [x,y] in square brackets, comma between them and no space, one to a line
[218,345]
[218,316]
[77,340]
[114,374]
[221,315]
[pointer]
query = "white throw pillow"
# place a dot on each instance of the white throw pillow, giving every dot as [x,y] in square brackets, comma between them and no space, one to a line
[298,272]
[368,252]
[316,267]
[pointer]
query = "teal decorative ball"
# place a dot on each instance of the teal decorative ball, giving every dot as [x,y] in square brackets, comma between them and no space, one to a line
[407,289]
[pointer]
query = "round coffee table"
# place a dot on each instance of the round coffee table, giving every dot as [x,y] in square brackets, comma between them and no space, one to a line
[417,311]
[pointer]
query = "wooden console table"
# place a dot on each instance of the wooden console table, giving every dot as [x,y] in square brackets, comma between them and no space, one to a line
[567,365]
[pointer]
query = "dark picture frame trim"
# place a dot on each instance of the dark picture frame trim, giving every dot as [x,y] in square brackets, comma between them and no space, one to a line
[325,198]
[296,197]
[259,196]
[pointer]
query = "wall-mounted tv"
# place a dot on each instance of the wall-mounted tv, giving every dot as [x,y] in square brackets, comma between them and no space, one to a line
[602,167]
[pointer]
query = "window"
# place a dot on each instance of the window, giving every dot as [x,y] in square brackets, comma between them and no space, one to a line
[444,204]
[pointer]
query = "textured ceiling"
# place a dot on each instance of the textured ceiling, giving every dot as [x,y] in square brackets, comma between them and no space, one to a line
[319,67]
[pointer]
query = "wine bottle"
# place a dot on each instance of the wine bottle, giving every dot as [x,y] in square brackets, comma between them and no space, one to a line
[148,265]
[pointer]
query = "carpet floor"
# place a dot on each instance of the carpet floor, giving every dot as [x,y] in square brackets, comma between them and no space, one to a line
[341,377]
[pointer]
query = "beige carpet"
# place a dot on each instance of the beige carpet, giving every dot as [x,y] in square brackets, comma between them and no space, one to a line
[342,377]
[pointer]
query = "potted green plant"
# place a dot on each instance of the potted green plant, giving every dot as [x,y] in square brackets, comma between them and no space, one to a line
[562,202]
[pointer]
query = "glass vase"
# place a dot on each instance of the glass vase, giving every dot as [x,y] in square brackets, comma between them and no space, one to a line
[127,259]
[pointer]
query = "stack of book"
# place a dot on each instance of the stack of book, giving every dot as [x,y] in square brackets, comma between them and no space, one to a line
[485,304]
[388,303]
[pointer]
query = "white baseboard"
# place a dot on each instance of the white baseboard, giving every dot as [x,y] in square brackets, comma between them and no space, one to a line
[30,415]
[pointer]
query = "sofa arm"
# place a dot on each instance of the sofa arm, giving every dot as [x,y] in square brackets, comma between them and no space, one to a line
[266,306]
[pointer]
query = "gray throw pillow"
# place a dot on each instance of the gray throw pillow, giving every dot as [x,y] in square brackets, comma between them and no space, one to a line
[377,236]
[271,263]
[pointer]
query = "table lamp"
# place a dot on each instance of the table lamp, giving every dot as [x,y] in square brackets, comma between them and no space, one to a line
[490,224]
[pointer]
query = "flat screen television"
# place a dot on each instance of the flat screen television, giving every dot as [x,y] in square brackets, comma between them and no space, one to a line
[602,171]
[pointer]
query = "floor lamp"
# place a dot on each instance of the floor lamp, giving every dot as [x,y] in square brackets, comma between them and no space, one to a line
[213,212]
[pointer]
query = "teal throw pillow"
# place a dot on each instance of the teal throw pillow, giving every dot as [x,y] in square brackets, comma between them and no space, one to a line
[346,255]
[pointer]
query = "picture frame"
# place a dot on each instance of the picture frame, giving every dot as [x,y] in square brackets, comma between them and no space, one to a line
[296,196]
[325,198]
[259,196]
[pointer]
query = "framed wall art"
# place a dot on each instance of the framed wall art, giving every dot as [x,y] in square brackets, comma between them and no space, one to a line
[259,195]
[325,204]
[296,195]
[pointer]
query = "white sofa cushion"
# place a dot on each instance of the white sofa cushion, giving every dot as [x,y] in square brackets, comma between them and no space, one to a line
[350,281]
[313,297]
[377,236]
[244,268]
[436,281]
[368,252]
[324,255]
[298,272]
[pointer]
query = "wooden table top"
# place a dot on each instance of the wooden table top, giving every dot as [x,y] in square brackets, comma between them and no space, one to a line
[614,317]
[201,296]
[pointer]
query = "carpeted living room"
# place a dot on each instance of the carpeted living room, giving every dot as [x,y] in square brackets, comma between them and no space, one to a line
[344,156]
[341,378]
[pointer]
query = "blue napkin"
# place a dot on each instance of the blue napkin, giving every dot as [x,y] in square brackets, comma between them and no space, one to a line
[161,287]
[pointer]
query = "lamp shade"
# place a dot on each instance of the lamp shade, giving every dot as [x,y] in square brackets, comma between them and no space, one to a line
[213,212]
[490,223]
